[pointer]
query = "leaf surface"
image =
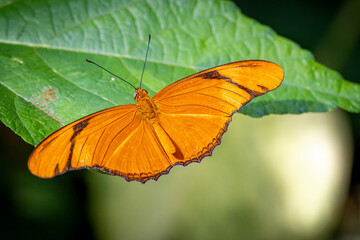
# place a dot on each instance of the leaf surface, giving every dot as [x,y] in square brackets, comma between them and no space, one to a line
[45,82]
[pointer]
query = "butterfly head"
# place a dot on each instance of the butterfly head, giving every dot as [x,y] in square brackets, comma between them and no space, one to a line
[140,93]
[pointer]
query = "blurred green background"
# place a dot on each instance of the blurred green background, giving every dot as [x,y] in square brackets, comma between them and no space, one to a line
[277,177]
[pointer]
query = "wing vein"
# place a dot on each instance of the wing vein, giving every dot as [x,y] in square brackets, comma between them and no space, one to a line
[220,99]
[82,148]
[160,144]
[195,90]
[118,135]
[97,143]
[196,105]
[115,120]
[225,89]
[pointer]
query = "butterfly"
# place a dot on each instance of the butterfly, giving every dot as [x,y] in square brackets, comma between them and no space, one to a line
[179,125]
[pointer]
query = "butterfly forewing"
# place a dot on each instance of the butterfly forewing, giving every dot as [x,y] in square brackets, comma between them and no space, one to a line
[117,141]
[196,110]
[245,78]
[81,144]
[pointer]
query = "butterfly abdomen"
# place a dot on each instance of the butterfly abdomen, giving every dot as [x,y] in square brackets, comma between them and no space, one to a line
[150,113]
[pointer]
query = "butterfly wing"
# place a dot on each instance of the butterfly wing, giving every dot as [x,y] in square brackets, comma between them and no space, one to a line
[116,140]
[193,114]
[195,111]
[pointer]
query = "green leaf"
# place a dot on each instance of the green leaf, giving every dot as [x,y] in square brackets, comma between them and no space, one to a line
[45,82]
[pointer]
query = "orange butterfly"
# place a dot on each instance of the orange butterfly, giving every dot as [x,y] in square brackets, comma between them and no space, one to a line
[181,124]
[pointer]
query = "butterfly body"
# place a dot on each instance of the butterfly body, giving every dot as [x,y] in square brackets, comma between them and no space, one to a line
[149,112]
[145,105]
[181,124]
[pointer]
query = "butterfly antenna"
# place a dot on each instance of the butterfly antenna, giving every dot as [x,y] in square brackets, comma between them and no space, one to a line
[147,50]
[110,72]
